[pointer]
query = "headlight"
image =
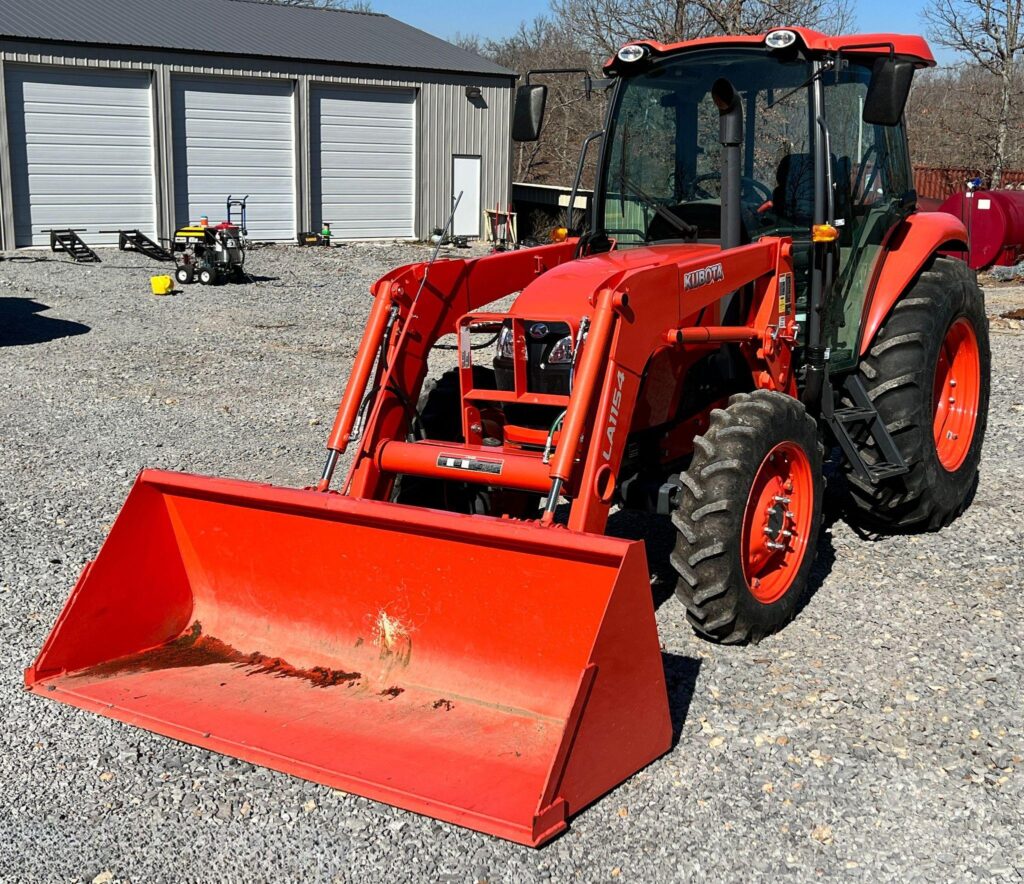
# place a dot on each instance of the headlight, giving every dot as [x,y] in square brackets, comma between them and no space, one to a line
[632,53]
[561,353]
[506,343]
[780,39]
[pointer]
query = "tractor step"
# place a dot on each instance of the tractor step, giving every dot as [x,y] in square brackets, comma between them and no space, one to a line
[852,425]
[68,240]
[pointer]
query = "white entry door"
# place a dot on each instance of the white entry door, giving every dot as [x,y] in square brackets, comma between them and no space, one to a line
[466,178]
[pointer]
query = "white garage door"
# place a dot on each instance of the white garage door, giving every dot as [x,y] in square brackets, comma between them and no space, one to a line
[235,138]
[364,156]
[81,152]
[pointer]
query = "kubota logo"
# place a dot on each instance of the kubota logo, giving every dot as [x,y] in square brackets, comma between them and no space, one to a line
[613,413]
[705,276]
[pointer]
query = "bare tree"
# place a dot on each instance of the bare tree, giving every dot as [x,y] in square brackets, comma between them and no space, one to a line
[570,116]
[990,34]
[604,25]
[584,33]
[953,118]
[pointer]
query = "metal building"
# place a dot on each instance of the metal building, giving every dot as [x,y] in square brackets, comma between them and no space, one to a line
[147,114]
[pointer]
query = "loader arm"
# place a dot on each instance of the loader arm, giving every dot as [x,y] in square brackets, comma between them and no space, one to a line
[426,300]
[636,307]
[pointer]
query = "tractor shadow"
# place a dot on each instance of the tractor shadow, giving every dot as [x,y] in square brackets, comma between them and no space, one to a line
[21,324]
[681,681]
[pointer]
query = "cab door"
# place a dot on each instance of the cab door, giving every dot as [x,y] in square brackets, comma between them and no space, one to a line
[873,191]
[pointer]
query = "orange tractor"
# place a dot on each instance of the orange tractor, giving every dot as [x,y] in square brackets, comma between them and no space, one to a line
[448,628]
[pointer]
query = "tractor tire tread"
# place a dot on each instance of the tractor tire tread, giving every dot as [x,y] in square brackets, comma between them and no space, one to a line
[710,511]
[898,372]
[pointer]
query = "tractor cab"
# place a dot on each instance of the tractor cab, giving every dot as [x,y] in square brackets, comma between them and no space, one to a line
[822,152]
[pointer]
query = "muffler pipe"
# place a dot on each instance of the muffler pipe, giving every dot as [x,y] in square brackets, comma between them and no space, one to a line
[730,134]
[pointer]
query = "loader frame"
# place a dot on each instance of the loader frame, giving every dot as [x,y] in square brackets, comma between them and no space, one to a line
[635,314]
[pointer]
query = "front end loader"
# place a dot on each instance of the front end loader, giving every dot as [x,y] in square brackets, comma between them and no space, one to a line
[753,294]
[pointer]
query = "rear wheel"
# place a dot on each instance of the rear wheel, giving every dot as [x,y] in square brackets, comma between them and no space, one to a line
[184,274]
[748,518]
[927,373]
[208,276]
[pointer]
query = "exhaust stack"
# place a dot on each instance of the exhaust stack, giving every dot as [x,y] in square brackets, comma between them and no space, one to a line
[730,134]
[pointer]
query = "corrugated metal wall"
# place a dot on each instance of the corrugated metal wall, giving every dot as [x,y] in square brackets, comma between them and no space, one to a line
[448,123]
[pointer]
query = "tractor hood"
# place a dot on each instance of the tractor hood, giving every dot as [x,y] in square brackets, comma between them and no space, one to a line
[568,288]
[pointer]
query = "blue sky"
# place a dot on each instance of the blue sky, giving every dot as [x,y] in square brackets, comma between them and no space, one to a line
[445,18]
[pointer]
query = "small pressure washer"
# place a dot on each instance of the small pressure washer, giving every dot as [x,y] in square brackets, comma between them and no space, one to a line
[212,254]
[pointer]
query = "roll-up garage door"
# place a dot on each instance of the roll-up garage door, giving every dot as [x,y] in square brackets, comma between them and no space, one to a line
[81,147]
[235,138]
[364,162]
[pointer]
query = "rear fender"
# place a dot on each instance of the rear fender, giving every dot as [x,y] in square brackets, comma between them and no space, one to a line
[909,248]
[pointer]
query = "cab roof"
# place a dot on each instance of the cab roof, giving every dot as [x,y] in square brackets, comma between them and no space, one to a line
[904,45]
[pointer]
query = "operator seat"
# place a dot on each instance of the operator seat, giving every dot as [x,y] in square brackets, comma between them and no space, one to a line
[793,196]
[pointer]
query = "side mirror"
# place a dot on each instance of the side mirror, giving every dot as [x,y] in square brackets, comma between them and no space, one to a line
[528,116]
[888,91]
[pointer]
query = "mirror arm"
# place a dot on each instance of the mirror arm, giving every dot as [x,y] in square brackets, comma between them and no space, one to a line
[588,78]
[584,150]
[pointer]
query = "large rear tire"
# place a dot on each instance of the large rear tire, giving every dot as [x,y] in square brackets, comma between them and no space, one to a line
[927,373]
[748,518]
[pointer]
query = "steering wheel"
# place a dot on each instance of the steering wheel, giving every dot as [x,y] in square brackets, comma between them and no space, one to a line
[751,190]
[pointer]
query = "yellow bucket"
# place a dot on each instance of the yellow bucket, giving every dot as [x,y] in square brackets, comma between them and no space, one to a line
[162,285]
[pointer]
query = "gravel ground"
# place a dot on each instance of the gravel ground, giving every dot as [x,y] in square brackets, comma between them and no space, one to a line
[880,736]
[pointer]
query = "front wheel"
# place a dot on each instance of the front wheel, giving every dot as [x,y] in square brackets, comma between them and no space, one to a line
[927,373]
[748,518]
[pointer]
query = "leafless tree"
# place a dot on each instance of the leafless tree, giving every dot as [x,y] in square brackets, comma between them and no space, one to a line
[990,34]
[604,25]
[570,116]
[584,33]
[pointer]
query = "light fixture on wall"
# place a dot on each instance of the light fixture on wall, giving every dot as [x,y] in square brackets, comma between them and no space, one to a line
[473,93]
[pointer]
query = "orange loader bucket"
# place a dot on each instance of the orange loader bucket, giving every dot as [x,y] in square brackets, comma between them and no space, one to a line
[487,672]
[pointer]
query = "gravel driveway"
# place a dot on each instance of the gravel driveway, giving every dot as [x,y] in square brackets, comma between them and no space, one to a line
[880,736]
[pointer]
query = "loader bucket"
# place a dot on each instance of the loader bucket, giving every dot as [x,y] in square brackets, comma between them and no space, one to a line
[491,673]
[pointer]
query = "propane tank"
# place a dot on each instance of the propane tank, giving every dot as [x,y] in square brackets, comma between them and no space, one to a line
[995,225]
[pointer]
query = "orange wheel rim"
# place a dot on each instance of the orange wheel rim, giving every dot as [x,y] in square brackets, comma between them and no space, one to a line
[956,394]
[777,522]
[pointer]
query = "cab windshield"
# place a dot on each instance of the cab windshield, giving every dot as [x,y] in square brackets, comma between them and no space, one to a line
[663,159]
